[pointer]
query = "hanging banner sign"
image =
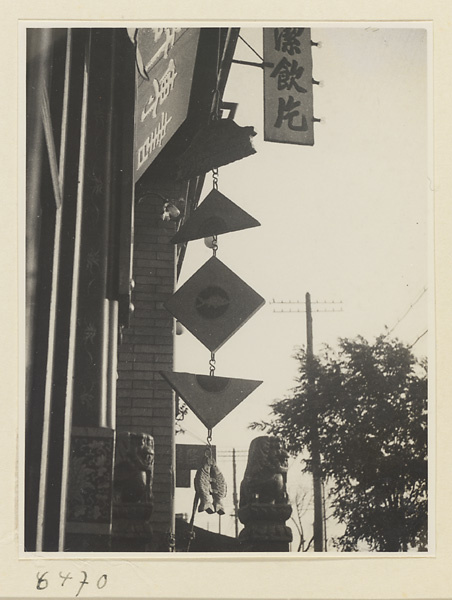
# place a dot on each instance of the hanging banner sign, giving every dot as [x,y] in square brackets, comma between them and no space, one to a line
[165,63]
[288,97]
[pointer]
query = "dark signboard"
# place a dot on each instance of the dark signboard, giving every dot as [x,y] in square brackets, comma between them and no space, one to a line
[210,398]
[214,303]
[189,457]
[288,97]
[165,62]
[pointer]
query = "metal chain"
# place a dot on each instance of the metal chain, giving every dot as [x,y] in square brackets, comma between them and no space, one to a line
[212,362]
[209,438]
[215,187]
[215,178]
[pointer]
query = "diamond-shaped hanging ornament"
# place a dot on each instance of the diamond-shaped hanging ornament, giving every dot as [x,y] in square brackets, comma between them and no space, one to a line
[210,398]
[215,215]
[214,303]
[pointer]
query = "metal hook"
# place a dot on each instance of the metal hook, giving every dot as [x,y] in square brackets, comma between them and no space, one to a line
[209,439]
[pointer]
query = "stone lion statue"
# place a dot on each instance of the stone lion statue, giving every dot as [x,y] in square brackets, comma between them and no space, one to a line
[134,467]
[265,475]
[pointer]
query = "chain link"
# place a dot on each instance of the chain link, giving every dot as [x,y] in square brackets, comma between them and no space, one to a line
[214,244]
[215,178]
[212,363]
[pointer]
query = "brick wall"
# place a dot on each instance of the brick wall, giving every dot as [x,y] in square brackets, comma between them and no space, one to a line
[145,402]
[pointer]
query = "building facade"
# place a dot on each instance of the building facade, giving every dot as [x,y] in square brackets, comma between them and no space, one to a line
[122,127]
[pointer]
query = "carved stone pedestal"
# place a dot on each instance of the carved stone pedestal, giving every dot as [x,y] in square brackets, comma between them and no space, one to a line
[265,529]
[132,531]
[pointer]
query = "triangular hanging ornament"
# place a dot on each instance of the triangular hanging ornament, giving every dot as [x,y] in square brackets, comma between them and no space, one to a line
[210,398]
[215,215]
[214,303]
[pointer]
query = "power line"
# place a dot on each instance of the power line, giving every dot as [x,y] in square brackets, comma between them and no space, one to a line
[273,301]
[418,338]
[290,311]
[301,303]
[408,310]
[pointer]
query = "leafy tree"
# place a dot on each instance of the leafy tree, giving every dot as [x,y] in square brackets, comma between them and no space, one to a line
[370,405]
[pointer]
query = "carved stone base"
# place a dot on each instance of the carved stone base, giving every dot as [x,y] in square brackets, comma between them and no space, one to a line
[132,520]
[269,512]
[265,529]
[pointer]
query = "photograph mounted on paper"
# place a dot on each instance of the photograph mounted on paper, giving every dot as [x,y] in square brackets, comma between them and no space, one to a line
[228,290]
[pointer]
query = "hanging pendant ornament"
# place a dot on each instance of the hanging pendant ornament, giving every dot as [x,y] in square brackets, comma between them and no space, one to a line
[210,488]
[214,304]
[210,485]
[214,216]
[210,398]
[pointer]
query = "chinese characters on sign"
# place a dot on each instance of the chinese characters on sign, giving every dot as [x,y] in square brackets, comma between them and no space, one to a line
[288,97]
[167,56]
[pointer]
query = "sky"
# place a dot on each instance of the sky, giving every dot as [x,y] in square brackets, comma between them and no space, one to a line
[346,220]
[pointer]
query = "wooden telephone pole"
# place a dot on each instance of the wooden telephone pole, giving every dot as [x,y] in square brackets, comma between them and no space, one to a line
[315,451]
[319,529]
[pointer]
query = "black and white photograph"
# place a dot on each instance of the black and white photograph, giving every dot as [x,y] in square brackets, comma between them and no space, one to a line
[228,297]
[226,300]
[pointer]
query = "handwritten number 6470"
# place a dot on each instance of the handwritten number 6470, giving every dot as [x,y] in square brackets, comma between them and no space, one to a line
[43,581]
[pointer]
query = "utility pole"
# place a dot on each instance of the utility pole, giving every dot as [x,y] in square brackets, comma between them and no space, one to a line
[315,451]
[234,494]
[319,532]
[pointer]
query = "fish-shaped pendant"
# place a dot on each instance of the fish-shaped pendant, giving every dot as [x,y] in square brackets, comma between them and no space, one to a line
[210,486]
[202,485]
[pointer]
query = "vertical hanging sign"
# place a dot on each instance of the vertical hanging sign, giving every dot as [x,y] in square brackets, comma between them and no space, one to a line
[165,64]
[288,97]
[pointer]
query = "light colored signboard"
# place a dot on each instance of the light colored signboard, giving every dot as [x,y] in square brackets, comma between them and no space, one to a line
[288,96]
[166,59]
